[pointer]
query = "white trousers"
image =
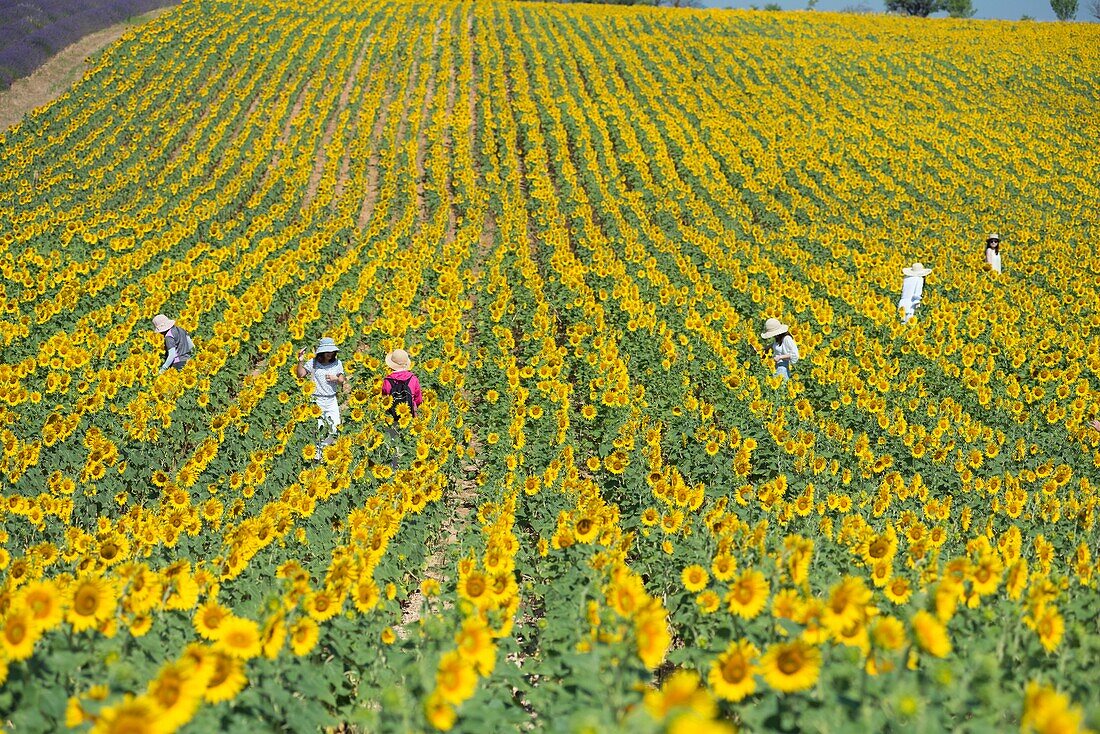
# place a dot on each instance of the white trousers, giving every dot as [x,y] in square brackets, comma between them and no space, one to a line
[328,422]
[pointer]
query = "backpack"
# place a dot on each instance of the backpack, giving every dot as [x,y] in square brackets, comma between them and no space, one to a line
[400,392]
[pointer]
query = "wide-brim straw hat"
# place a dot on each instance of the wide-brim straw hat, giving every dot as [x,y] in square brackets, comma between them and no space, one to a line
[327,344]
[992,237]
[773,328]
[916,269]
[398,360]
[162,323]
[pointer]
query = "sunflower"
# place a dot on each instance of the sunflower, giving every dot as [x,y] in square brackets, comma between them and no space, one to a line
[303,636]
[1046,710]
[227,677]
[626,594]
[366,596]
[1050,626]
[132,716]
[585,529]
[651,631]
[930,634]
[985,575]
[724,566]
[855,635]
[455,679]
[888,633]
[898,590]
[440,714]
[322,605]
[681,693]
[91,602]
[209,618]
[733,673]
[140,625]
[474,588]
[273,636]
[177,691]
[1017,579]
[846,604]
[791,666]
[785,604]
[708,602]
[239,637]
[694,578]
[475,644]
[42,600]
[18,635]
[749,594]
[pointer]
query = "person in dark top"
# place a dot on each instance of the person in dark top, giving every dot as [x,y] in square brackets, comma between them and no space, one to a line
[178,346]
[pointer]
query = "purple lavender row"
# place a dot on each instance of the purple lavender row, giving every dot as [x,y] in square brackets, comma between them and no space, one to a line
[32,32]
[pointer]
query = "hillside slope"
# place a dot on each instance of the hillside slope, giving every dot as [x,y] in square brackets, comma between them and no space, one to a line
[576,220]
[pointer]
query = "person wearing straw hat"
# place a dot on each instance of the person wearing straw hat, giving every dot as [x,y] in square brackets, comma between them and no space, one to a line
[328,375]
[993,252]
[911,289]
[403,388]
[784,349]
[401,384]
[178,346]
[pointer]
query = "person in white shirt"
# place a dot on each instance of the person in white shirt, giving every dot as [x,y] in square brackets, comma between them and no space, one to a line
[328,374]
[993,252]
[912,288]
[784,350]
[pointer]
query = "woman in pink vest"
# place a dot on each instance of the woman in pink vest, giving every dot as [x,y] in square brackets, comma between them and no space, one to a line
[401,384]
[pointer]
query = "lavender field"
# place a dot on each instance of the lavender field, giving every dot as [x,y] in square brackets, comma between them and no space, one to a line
[31,31]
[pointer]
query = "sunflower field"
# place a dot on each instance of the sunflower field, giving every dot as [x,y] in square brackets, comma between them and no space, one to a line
[607,515]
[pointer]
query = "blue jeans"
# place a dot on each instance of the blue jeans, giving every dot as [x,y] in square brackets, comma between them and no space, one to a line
[783,370]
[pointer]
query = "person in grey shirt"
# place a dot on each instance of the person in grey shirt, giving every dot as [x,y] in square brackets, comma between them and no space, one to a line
[178,346]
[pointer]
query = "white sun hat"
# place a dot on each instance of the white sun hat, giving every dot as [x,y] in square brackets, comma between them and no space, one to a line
[992,236]
[916,269]
[162,323]
[773,328]
[327,344]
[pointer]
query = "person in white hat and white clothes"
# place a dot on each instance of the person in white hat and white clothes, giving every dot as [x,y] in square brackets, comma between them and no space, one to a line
[993,252]
[178,346]
[912,288]
[328,375]
[784,349]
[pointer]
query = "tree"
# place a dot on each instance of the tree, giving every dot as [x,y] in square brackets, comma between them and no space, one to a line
[961,8]
[1064,9]
[922,8]
[1094,9]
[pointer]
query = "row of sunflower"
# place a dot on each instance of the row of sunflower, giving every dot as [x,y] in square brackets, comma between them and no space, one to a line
[607,514]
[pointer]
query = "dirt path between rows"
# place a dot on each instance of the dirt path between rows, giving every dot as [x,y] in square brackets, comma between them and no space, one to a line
[463,502]
[51,79]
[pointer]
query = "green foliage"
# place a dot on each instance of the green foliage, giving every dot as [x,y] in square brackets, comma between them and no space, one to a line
[960,8]
[1064,9]
[921,8]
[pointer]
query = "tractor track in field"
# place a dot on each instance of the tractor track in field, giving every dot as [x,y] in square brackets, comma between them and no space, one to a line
[461,504]
[321,157]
